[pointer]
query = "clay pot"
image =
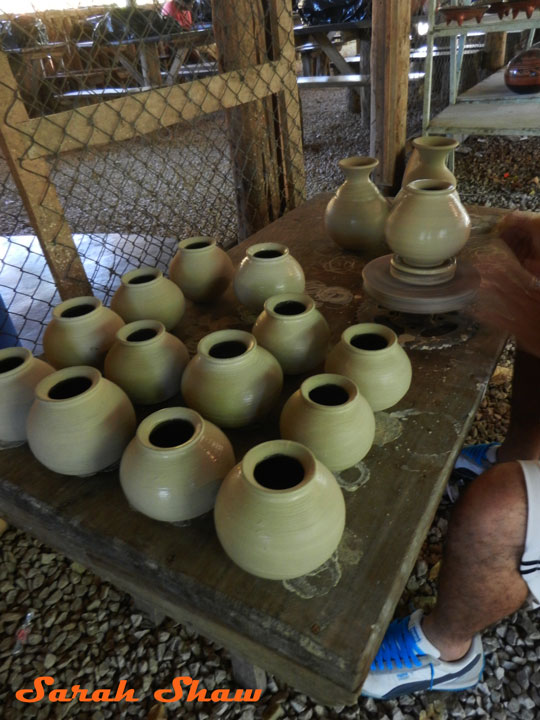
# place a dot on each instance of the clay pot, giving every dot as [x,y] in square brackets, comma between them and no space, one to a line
[279,513]
[428,160]
[370,354]
[526,6]
[146,362]
[330,417]
[232,381]
[294,331]
[522,74]
[201,269]
[267,269]
[80,333]
[355,216]
[79,422]
[20,372]
[461,13]
[173,467]
[427,224]
[500,8]
[146,295]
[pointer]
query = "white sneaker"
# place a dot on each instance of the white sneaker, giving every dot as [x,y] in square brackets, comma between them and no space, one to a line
[408,662]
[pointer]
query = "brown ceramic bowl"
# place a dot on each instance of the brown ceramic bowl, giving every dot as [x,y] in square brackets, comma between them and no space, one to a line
[459,14]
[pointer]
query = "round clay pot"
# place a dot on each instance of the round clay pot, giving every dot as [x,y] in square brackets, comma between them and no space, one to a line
[80,333]
[147,362]
[267,269]
[461,13]
[20,372]
[370,354]
[145,294]
[173,467]
[355,216]
[201,269]
[428,160]
[330,417]
[427,224]
[294,331]
[279,513]
[522,74]
[79,422]
[232,381]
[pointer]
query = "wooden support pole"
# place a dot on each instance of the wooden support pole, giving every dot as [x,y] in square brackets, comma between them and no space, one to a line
[495,52]
[389,87]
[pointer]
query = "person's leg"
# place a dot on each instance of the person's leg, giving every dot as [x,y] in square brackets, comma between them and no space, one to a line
[522,440]
[480,581]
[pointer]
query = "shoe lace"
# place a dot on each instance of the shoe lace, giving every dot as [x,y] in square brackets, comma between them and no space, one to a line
[398,648]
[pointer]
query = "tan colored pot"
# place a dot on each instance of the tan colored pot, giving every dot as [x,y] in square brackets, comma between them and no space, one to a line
[428,160]
[427,224]
[355,216]
[20,372]
[201,269]
[173,467]
[370,354]
[330,417]
[267,269]
[146,362]
[279,513]
[294,331]
[80,333]
[79,422]
[145,294]
[232,381]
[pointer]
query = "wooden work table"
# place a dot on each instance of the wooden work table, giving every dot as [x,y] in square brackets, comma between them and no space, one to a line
[319,633]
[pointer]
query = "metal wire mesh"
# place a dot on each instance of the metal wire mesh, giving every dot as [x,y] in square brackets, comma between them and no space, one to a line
[127,129]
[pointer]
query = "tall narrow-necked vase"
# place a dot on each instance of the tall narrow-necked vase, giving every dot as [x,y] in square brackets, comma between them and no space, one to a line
[145,294]
[355,216]
[201,269]
[428,159]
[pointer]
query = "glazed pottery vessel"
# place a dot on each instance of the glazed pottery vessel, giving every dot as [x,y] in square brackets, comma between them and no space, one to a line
[20,372]
[232,381]
[279,513]
[427,224]
[80,333]
[428,160]
[146,361]
[173,467]
[330,417]
[267,269]
[461,13]
[79,422]
[355,216]
[201,269]
[370,354]
[294,331]
[145,294]
[522,74]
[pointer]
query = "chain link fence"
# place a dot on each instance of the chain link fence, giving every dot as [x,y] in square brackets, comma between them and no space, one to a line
[127,129]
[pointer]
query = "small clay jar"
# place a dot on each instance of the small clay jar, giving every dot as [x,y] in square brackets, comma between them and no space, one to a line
[428,160]
[80,333]
[201,269]
[294,331]
[354,218]
[267,269]
[20,372]
[427,224]
[79,422]
[522,74]
[147,362]
[330,417]
[370,354]
[279,513]
[173,467]
[145,294]
[232,381]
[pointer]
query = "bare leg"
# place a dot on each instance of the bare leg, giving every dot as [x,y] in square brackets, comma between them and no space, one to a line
[480,582]
[522,441]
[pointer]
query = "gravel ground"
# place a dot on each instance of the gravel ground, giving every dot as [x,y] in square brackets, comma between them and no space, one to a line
[85,631]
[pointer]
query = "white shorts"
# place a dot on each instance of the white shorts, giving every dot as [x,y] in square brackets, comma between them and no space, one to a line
[530,562]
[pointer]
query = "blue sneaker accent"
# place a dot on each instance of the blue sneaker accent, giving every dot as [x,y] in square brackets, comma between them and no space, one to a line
[398,648]
[474,457]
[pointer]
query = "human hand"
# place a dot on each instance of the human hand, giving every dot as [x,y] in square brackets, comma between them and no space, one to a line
[521,232]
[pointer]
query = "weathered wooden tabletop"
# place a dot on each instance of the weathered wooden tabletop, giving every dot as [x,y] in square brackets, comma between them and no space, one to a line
[318,633]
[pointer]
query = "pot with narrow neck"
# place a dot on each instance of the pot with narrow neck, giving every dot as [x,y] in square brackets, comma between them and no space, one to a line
[428,160]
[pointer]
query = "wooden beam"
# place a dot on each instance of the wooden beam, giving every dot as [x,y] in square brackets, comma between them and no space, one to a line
[495,52]
[389,87]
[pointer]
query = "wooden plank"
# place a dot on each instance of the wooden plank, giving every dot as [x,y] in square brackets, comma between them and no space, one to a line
[494,118]
[38,194]
[494,88]
[390,47]
[495,51]
[333,55]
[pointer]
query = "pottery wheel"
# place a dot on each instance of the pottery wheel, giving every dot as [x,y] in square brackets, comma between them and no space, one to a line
[420,299]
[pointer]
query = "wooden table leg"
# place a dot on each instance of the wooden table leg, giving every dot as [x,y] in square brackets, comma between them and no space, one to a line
[246,675]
